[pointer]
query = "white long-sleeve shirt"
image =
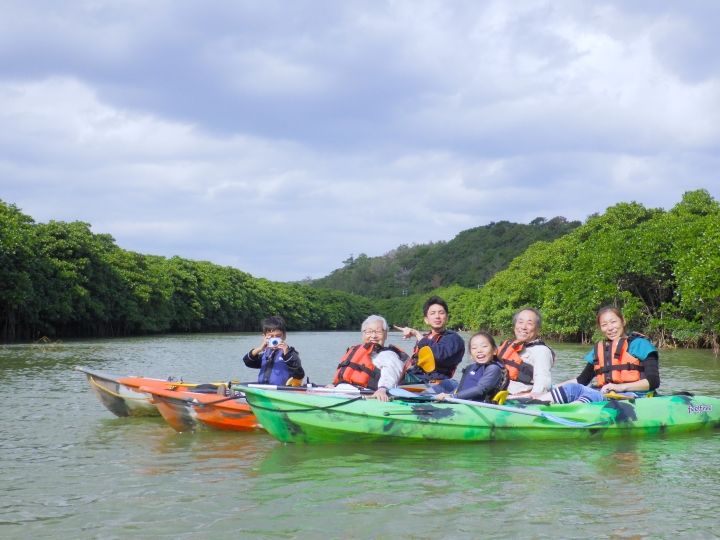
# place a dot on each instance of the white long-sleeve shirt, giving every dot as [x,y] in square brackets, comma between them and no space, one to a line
[540,357]
[390,367]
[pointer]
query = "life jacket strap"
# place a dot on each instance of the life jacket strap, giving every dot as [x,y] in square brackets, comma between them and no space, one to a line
[619,348]
[618,367]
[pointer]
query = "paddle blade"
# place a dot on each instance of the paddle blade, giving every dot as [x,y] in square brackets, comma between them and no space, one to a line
[404,394]
[500,397]
[614,395]
[426,359]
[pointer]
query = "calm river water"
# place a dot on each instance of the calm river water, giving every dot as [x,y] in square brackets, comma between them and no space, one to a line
[70,469]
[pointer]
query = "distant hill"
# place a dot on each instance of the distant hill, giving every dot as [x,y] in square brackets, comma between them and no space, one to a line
[470,259]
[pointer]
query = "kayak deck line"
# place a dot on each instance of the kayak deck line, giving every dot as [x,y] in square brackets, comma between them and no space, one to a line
[313,409]
[399,393]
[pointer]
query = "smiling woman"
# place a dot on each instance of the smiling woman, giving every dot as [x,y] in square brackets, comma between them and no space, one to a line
[622,363]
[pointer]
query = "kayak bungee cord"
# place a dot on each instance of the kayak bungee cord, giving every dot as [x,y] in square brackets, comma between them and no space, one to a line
[308,388]
[409,396]
[540,414]
[308,409]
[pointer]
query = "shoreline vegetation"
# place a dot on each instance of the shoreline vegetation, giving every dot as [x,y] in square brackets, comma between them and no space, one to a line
[662,268]
[59,280]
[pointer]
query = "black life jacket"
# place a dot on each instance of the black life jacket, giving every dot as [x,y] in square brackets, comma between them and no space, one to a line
[439,372]
[474,372]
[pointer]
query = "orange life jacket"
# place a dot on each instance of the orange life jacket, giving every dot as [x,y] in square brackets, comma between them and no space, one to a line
[518,370]
[618,366]
[357,368]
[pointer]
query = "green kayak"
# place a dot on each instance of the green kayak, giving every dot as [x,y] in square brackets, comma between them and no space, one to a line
[307,417]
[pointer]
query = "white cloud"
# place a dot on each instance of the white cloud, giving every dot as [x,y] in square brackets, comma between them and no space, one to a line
[280,138]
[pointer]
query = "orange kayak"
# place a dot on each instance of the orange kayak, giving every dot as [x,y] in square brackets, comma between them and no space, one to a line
[186,410]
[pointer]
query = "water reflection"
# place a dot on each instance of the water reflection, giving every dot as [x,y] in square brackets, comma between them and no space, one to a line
[71,470]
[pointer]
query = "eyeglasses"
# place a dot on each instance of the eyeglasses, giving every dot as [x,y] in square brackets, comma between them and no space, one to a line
[373,332]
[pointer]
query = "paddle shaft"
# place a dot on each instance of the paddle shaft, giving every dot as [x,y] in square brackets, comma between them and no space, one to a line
[399,392]
[540,414]
[333,390]
[188,397]
[493,406]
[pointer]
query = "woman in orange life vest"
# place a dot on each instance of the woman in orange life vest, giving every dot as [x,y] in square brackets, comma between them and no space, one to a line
[622,363]
[371,364]
[447,347]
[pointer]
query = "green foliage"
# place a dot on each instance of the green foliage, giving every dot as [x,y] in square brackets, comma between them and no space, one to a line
[17,264]
[661,268]
[698,278]
[61,280]
[470,259]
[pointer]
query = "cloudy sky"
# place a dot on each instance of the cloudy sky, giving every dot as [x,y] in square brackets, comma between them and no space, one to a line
[280,137]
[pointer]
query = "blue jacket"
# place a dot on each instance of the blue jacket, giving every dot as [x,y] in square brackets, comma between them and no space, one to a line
[448,352]
[274,368]
[480,382]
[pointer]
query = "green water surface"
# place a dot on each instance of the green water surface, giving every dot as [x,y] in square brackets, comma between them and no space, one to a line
[70,469]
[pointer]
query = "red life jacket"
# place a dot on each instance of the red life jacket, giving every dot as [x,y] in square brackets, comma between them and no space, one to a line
[518,370]
[618,366]
[357,368]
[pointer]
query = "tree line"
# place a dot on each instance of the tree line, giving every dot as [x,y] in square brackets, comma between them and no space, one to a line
[661,267]
[58,279]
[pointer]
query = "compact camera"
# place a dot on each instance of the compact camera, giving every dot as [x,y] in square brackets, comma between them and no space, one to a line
[274,342]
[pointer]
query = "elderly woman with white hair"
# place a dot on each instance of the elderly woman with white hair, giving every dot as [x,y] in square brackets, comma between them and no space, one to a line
[371,364]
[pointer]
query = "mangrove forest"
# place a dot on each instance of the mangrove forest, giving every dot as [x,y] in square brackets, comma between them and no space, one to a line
[661,267]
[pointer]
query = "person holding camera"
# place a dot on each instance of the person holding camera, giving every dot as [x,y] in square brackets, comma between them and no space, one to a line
[278,363]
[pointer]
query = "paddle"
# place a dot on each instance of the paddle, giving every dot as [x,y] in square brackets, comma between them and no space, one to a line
[410,396]
[426,359]
[319,389]
[190,385]
[403,394]
[614,395]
